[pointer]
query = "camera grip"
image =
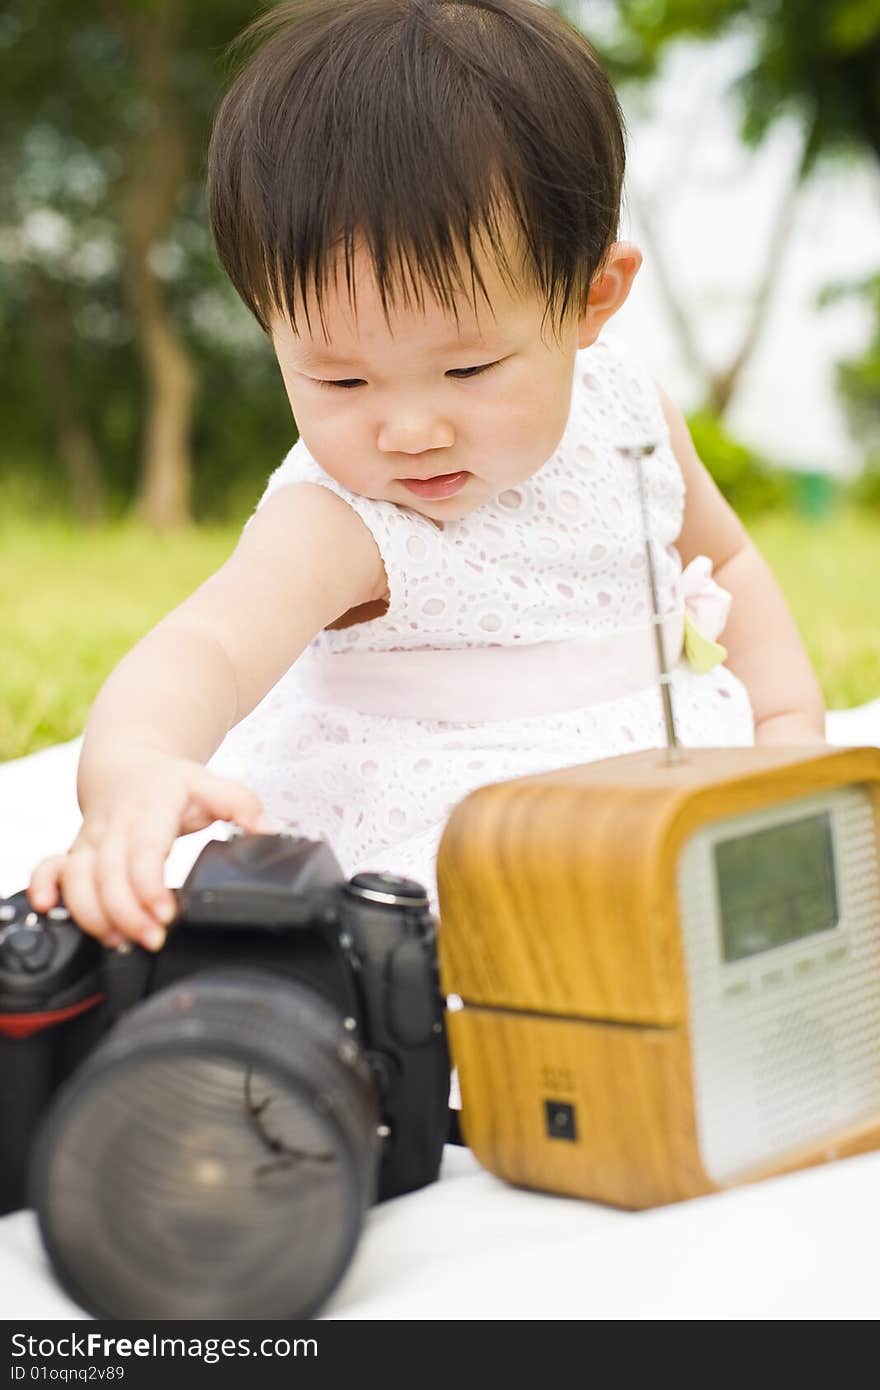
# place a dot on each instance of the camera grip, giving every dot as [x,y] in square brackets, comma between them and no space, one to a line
[27,1080]
[411,995]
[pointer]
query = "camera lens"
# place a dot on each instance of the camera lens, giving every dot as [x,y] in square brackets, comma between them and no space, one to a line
[213,1158]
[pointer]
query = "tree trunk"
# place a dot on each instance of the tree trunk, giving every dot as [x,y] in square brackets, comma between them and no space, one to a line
[724,381]
[158,161]
[720,383]
[163,495]
[76,447]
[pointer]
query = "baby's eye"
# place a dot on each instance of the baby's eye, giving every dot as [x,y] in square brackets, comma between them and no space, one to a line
[463,373]
[346,383]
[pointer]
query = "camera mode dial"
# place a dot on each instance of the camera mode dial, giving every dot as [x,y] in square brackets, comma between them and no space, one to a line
[388,889]
[26,950]
[41,954]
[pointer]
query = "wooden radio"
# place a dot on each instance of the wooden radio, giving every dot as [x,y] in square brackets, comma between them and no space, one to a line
[665,975]
[663,969]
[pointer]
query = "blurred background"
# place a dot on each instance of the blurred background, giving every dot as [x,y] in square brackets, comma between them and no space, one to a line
[142,408]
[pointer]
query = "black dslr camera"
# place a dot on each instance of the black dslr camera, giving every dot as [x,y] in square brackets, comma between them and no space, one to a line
[228,1108]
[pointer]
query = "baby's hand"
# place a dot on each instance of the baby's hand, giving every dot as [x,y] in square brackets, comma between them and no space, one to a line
[792,730]
[112,877]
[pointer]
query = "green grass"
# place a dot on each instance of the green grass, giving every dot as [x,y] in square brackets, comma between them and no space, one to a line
[830,574]
[71,603]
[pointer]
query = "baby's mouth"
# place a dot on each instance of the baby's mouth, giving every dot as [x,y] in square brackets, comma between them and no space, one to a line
[441,485]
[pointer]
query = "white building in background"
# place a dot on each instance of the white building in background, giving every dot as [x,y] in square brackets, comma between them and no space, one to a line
[712,203]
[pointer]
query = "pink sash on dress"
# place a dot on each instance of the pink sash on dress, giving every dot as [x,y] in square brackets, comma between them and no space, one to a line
[477,684]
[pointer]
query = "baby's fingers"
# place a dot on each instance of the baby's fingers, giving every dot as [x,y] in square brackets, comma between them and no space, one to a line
[45,880]
[119,897]
[43,894]
[223,799]
[81,896]
[146,866]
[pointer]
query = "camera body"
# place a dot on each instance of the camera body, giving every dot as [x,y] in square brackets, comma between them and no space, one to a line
[276,905]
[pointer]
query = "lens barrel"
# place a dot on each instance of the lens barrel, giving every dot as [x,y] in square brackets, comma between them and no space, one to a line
[214,1157]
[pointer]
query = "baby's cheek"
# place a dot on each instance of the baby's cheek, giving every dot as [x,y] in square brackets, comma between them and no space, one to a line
[337,448]
[538,413]
[526,439]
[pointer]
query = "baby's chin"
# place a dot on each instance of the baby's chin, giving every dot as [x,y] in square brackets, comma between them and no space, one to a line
[476,493]
[444,509]
[452,508]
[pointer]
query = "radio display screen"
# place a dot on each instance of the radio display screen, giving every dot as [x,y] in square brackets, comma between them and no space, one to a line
[776,886]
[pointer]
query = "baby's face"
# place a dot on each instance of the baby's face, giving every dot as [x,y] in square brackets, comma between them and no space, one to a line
[385,407]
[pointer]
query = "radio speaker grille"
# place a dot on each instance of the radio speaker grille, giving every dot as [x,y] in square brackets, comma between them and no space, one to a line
[785,1043]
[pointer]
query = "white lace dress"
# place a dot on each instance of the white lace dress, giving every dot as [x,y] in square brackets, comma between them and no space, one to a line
[516,640]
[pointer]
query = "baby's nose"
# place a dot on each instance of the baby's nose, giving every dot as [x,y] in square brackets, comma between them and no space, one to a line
[414,434]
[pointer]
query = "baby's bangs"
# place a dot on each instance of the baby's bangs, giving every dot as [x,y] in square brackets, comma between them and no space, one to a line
[412,254]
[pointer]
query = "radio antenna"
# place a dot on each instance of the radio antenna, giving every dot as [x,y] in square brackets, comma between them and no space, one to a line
[638,453]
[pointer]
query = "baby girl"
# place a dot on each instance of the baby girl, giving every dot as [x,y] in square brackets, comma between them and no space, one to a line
[445,582]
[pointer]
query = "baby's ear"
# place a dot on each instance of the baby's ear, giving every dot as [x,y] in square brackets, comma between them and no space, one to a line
[609,288]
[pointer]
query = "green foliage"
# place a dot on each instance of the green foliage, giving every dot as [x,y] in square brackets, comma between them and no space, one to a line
[75,118]
[747,480]
[858,381]
[866,491]
[242,424]
[818,60]
[242,429]
[73,113]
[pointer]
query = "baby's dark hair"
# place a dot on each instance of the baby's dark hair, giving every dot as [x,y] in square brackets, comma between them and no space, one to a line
[414,128]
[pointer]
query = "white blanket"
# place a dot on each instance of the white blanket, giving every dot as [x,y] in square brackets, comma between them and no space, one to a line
[469,1246]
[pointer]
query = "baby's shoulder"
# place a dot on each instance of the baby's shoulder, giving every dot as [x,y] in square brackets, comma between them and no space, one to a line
[617,407]
[617,391]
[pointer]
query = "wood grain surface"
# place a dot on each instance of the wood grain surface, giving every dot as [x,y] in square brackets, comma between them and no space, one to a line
[560,933]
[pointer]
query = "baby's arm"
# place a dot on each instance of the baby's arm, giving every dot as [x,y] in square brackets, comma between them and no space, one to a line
[304,559]
[763,645]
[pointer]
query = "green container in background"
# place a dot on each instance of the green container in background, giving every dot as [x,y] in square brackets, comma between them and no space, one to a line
[815,494]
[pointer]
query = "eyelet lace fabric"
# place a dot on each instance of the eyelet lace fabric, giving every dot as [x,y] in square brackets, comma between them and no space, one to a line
[559,556]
